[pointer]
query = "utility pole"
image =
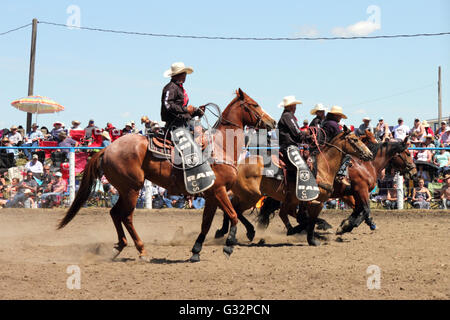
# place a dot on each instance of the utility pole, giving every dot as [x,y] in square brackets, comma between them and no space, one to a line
[31,73]
[439,97]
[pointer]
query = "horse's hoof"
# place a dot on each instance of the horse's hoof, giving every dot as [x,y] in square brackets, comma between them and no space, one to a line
[251,235]
[227,251]
[195,258]
[313,242]
[115,253]
[339,231]
[231,242]
[219,234]
[323,226]
[144,258]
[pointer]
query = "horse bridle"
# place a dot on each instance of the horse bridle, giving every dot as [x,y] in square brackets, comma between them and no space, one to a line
[408,166]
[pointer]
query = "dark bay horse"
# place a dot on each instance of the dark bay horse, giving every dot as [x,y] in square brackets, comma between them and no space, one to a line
[127,162]
[364,179]
[251,184]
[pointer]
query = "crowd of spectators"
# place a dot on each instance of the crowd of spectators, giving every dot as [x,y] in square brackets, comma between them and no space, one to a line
[51,186]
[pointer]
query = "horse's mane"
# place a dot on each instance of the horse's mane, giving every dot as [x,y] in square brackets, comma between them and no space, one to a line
[392,148]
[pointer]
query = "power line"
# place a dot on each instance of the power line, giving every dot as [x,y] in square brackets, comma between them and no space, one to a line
[390,96]
[162,35]
[15,29]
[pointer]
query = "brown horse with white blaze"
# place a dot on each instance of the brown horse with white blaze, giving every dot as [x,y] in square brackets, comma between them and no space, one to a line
[127,163]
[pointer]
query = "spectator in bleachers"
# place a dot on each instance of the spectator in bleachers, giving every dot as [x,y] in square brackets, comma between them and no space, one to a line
[391,197]
[66,141]
[173,201]
[127,129]
[15,138]
[58,187]
[7,143]
[363,127]
[47,179]
[27,188]
[427,128]
[106,139]
[148,124]
[421,196]
[381,131]
[400,131]
[44,131]
[445,192]
[442,159]
[445,137]
[134,129]
[439,131]
[32,140]
[76,125]
[35,166]
[418,129]
[57,129]
[429,143]
[91,127]
[424,154]
[109,127]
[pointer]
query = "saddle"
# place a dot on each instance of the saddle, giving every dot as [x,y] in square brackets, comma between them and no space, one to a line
[163,148]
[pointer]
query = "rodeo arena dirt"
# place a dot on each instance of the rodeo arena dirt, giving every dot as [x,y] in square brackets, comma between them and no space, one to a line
[224,201]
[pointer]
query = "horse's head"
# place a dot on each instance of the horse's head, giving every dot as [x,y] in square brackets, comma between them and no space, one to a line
[252,114]
[368,137]
[352,145]
[403,162]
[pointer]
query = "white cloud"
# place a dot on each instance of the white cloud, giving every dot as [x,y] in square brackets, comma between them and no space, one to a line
[126,114]
[361,28]
[307,31]
[360,111]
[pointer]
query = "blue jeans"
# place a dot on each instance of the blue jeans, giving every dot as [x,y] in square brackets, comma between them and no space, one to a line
[29,152]
[178,204]
[198,203]
[19,197]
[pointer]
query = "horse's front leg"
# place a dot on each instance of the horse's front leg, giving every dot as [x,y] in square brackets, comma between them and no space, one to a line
[208,215]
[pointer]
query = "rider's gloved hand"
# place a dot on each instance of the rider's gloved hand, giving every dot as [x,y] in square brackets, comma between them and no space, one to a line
[191,109]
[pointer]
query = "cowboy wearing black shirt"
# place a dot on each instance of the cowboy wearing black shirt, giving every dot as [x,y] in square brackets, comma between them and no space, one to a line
[175,110]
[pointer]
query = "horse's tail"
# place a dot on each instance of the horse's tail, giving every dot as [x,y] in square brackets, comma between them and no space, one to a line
[267,212]
[91,173]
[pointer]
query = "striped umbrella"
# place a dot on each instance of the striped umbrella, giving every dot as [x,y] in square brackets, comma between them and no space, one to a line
[37,104]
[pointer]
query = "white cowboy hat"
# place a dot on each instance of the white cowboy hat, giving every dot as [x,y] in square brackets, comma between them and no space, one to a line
[177,68]
[105,134]
[425,123]
[366,118]
[288,101]
[317,107]
[337,110]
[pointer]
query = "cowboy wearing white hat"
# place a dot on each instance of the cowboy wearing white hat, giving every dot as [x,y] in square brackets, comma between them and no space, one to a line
[363,127]
[331,128]
[319,111]
[175,108]
[106,139]
[288,128]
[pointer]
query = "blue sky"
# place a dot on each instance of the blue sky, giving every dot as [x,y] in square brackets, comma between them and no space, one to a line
[118,78]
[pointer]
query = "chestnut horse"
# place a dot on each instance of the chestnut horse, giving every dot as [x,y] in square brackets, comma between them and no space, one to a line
[127,162]
[252,184]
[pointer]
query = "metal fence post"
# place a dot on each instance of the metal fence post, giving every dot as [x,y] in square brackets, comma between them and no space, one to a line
[148,194]
[71,175]
[400,193]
